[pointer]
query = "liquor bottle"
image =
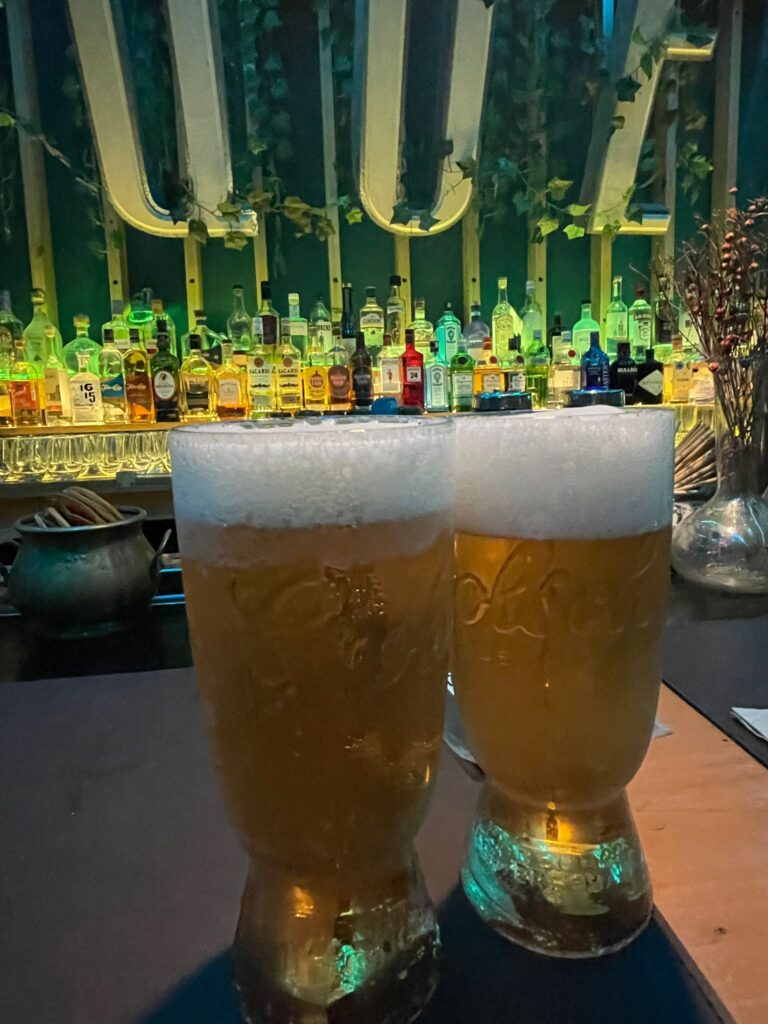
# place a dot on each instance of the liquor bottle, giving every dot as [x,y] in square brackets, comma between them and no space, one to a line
[640,325]
[561,345]
[85,391]
[348,320]
[25,387]
[677,373]
[36,339]
[555,335]
[390,366]
[437,396]
[8,318]
[287,367]
[532,317]
[413,373]
[166,381]
[196,383]
[475,331]
[230,387]
[423,331]
[140,314]
[584,327]
[488,375]
[315,375]
[595,366]
[448,332]
[270,318]
[395,321]
[112,380]
[81,343]
[514,374]
[239,326]
[6,361]
[372,323]
[261,380]
[623,372]
[298,328]
[119,327]
[58,402]
[461,373]
[649,389]
[210,340]
[339,380]
[666,321]
[163,323]
[504,321]
[565,372]
[702,390]
[615,318]
[321,325]
[138,381]
[537,370]
[361,366]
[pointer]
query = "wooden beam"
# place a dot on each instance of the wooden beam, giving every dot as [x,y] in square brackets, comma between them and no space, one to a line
[117,259]
[665,138]
[470,258]
[727,96]
[537,272]
[31,152]
[329,150]
[403,268]
[600,275]
[194,277]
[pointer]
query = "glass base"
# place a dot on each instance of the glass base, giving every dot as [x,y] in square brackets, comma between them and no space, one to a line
[566,884]
[323,951]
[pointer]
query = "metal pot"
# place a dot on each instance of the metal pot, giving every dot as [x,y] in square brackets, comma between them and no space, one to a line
[82,581]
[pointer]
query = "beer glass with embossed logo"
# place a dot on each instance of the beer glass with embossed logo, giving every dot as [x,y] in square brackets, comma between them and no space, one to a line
[318,566]
[562,569]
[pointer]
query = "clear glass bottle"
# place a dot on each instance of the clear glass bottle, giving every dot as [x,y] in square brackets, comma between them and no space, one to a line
[476,330]
[615,318]
[58,402]
[348,319]
[448,332]
[26,387]
[595,366]
[85,392]
[623,372]
[315,375]
[298,328]
[166,381]
[8,318]
[239,325]
[372,322]
[82,342]
[462,373]
[537,370]
[649,389]
[555,335]
[505,322]
[413,373]
[230,387]
[112,380]
[361,368]
[37,340]
[423,330]
[584,328]
[140,314]
[261,379]
[640,327]
[390,368]
[196,383]
[488,373]
[396,316]
[564,373]
[288,376]
[532,317]
[438,396]
[138,381]
[321,324]
[163,322]
[119,327]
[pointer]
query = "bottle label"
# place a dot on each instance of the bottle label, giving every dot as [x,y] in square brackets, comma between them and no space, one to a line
[229,392]
[338,380]
[451,344]
[516,380]
[653,384]
[24,395]
[595,376]
[197,394]
[462,383]
[413,374]
[316,385]
[371,320]
[362,385]
[642,323]
[491,381]
[702,386]
[123,345]
[437,383]
[53,399]
[391,375]
[581,339]
[616,326]
[85,400]
[324,330]
[165,385]
[289,382]
[297,328]
[6,410]
[566,378]
[259,374]
[681,382]
[113,388]
[137,390]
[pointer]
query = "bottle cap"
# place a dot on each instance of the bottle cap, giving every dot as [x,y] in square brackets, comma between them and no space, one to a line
[639,292]
[266,290]
[622,348]
[81,320]
[396,279]
[293,298]
[237,287]
[582,398]
[157,305]
[199,313]
[37,296]
[409,338]
[488,342]
[387,340]
[370,292]
[557,320]
[502,282]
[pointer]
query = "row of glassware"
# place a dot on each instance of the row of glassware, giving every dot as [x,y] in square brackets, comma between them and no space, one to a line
[54,457]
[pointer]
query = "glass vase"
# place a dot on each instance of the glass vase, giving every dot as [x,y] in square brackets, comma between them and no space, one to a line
[724,544]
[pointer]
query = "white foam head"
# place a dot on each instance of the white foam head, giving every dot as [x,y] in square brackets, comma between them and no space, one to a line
[303,473]
[571,473]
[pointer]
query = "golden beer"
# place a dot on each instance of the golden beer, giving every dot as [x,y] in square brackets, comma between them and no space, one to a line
[556,669]
[318,593]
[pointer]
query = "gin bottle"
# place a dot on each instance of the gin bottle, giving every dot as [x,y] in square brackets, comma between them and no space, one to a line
[532,317]
[81,342]
[423,331]
[640,324]
[372,322]
[448,332]
[118,325]
[584,327]
[595,366]
[239,327]
[615,318]
[475,331]
[505,323]
[437,397]
[37,341]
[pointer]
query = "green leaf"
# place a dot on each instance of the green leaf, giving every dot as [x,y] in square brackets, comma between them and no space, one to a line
[260,201]
[547,225]
[638,37]
[324,228]
[256,144]
[612,228]
[7,120]
[557,187]
[577,209]
[467,167]
[198,229]
[520,202]
[229,211]
[235,240]
[426,220]
[401,214]
[698,39]
[298,213]
[574,230]
[626,88]
[354,215]
[646,64]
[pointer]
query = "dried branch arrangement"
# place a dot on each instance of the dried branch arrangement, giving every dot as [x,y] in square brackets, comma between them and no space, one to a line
[695,462]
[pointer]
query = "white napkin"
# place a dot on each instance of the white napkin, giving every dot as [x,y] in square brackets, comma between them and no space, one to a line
[755,719]
[660,729]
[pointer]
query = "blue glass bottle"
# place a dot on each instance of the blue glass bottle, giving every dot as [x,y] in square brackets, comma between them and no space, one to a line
[595,365]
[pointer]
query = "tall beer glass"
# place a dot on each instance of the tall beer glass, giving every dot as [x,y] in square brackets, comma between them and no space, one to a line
[318,572]
[562,568]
